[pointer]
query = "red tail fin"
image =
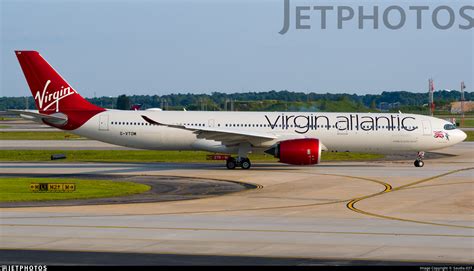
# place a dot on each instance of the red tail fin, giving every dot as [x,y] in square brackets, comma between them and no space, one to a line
[52,93]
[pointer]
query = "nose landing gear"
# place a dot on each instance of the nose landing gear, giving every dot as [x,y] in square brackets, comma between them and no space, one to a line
[419,160]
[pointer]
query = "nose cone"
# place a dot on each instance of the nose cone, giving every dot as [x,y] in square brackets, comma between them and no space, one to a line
[459,136]
[463,135]
[272,151]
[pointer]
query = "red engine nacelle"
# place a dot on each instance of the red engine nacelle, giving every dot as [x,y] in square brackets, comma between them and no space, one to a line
[305,151]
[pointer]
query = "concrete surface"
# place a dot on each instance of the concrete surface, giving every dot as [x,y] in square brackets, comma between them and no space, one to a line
[381,211]
[141,259]
[25,125]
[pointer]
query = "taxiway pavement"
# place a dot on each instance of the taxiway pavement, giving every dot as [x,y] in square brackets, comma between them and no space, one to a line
[382,211]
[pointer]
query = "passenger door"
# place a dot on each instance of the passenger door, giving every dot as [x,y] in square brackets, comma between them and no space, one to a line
[104,123]
[427,128]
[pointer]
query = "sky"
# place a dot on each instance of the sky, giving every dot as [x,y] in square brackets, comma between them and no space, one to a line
[108,48]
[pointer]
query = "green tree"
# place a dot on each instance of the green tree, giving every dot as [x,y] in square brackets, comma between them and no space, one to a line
[373,104]
[324,105]
[123,102]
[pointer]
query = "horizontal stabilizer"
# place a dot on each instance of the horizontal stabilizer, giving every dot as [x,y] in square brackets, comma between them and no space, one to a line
[57,118]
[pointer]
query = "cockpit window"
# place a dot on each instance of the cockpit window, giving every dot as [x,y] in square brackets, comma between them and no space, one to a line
[449,127]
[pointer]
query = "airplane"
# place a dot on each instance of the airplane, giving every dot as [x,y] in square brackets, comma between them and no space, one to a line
[296,138]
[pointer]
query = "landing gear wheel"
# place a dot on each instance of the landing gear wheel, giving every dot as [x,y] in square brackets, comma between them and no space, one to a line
[419,163]
[245,163]
[230,163]
[419,160]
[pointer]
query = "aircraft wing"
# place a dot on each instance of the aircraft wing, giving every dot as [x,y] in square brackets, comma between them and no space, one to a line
[228,137]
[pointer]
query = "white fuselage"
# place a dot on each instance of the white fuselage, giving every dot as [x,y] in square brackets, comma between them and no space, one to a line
[354,132]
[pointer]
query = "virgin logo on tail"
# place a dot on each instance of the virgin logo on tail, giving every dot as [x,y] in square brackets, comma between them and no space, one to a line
[47,99]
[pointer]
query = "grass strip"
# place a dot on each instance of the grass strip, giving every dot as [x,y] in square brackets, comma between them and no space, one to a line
[13,189]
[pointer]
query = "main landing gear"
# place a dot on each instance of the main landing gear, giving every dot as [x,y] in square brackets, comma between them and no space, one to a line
[419,159]
[242,162]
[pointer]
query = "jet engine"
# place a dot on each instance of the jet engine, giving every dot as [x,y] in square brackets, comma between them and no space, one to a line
[305,151]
